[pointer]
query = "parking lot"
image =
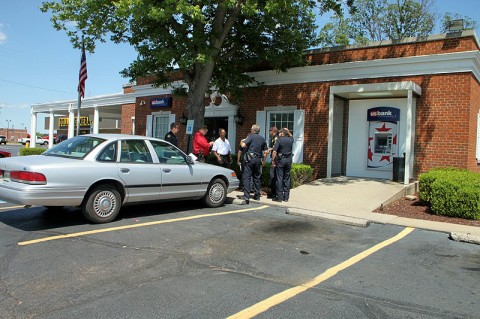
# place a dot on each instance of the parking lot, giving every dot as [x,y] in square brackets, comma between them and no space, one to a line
[179,260]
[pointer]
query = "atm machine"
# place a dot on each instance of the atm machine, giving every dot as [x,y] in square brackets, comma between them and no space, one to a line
[383,125]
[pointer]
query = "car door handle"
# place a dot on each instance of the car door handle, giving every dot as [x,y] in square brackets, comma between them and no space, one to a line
[124,170]
[166,170]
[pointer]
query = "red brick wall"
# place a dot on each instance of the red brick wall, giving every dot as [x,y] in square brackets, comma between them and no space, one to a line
[446,118]
[394,51]
[446,113]
[475,109]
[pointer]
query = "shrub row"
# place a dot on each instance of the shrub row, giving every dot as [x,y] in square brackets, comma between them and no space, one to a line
[24,151]
[299,174]
[451,192]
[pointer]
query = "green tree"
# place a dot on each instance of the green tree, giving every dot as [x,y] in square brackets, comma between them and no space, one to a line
[339,31]
[378,20]
[468,23]
[408,18]
[212,43]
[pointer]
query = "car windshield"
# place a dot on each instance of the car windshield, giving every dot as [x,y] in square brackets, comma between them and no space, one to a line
[75,147]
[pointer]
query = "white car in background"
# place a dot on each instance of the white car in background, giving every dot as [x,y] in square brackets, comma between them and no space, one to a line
[38,140]
[102,172]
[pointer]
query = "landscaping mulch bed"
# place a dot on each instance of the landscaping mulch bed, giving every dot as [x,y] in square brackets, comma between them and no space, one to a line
[417,209]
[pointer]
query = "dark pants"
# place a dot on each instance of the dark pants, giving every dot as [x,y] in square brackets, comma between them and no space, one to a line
[252,172]
[273,181]
[241,165]
[283,178]
[200,157]
[225,161]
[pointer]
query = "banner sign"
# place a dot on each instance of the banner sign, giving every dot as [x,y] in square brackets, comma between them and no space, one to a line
[161,102]
[84,121]
[383,114]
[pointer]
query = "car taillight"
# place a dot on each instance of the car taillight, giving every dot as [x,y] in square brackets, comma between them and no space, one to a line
[28,177]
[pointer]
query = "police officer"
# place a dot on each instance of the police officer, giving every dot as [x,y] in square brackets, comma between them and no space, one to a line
[171,136]
[282,158]
[273,169]
[254,145]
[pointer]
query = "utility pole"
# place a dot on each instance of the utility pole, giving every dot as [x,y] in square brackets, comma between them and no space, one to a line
[8,126]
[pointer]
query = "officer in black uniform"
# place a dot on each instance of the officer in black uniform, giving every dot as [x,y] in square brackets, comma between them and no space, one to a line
[254,145]
[170,136]
[273,169]
[282,157]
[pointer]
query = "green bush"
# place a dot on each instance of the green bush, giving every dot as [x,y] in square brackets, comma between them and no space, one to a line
[425,180]
[31,151]
[451,192]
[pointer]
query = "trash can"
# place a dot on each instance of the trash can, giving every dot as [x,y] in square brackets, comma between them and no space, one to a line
[398,169]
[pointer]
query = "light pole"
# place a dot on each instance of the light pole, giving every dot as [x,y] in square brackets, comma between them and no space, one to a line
[8,126]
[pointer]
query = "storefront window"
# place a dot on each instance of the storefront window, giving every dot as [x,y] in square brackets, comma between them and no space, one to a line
[281,119]
[162,126]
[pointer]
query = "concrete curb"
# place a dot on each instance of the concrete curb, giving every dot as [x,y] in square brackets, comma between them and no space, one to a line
[465,237]
[329,217]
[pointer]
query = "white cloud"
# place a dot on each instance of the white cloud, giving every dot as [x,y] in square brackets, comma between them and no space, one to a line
[3,35]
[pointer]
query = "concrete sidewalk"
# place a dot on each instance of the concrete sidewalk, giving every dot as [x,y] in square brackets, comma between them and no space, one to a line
[351,200]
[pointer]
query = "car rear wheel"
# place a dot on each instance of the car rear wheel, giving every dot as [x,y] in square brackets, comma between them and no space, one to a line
[216,193]
[102,204]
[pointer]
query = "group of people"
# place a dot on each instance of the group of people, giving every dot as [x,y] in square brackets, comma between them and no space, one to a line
[255,152]
[252,155]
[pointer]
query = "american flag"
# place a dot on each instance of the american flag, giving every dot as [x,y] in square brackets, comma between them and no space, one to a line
[82,76]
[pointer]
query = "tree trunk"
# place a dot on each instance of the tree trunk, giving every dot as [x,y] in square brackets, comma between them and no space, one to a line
[198,82]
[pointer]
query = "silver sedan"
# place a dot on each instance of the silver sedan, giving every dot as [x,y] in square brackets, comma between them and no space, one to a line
[102,172]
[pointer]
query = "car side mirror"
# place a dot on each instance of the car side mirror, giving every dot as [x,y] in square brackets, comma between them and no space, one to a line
[190,159]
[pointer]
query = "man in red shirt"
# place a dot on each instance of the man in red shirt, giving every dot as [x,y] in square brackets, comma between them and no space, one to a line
[201,147]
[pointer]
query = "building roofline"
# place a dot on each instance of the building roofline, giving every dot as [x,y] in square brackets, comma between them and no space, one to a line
[371,44]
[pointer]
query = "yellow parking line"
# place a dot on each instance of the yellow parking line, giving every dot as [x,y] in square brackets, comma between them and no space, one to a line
[105,230]
[266,304]
[10,207]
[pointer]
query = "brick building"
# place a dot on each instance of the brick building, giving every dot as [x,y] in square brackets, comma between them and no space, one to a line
[354,111]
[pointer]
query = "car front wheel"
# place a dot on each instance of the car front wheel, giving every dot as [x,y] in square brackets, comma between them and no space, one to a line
[102,204]
[216,193]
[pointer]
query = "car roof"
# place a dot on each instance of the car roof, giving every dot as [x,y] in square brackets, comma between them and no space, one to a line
[113,136]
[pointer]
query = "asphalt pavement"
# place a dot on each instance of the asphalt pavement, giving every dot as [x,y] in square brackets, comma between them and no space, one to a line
[351,200]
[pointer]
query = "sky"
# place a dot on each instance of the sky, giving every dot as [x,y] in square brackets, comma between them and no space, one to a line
[38,64]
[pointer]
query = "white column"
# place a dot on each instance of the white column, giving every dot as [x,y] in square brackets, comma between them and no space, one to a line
[33,129]
[96,120]
[50,129]
[330,135]
[71,121]
[408,138]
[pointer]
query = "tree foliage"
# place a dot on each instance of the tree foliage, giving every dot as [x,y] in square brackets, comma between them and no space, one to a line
[212,43]
[377,20]
[468,23]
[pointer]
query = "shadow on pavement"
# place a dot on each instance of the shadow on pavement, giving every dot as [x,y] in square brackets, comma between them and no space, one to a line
[41,218]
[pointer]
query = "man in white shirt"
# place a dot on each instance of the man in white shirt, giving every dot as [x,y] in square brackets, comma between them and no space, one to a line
[221,149]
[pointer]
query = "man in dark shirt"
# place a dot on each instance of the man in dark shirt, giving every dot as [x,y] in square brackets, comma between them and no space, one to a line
[171,136]
[282,157]
[273,169]
[254,145]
